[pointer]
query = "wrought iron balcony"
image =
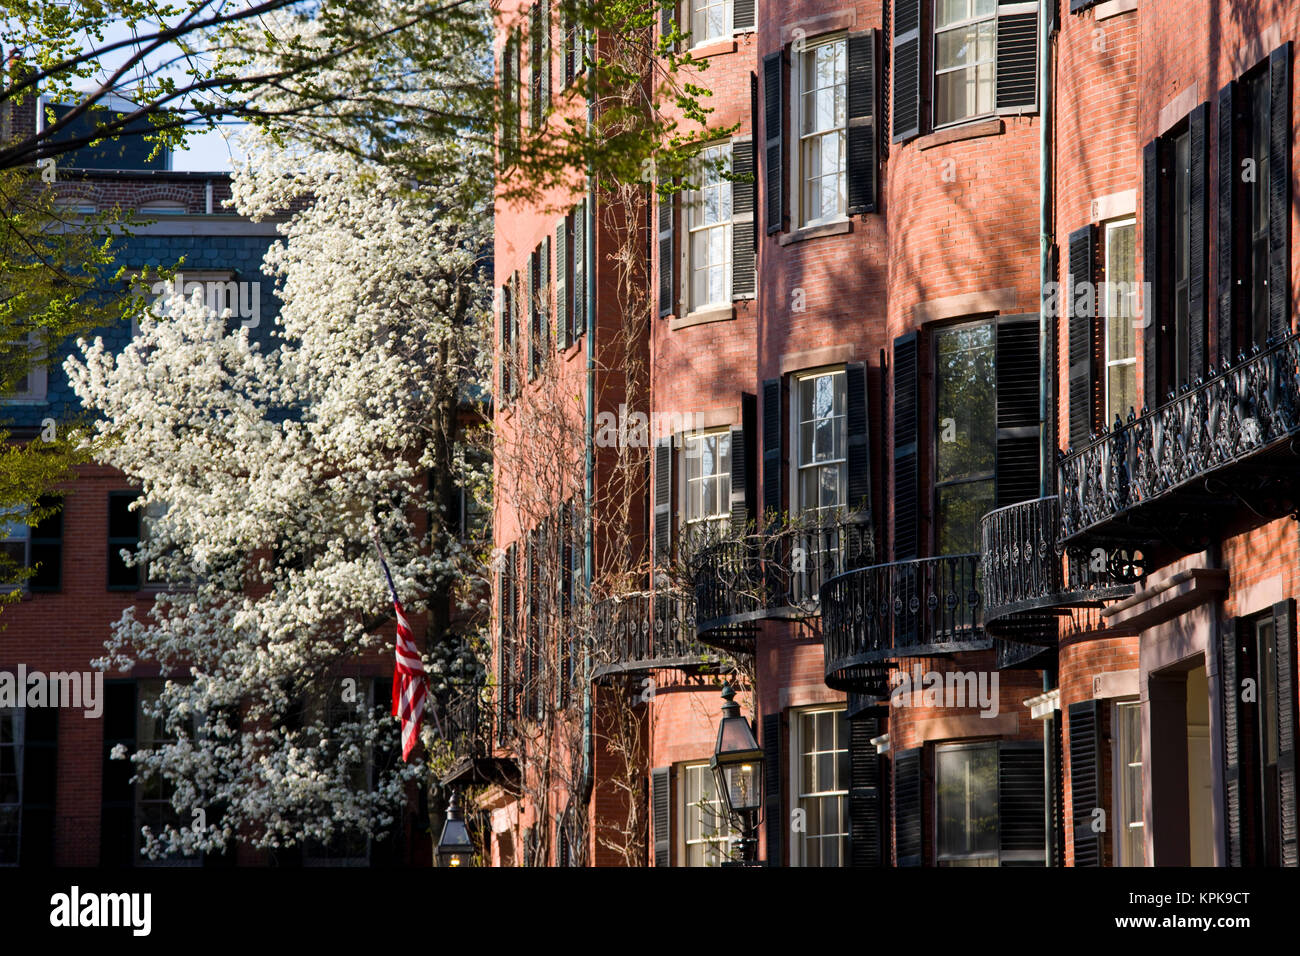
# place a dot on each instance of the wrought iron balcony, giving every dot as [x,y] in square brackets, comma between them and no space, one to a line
[644,631]
[1026,580]
[1169,472]
[924,608]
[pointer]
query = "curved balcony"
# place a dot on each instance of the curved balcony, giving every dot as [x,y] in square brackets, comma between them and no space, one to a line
[776,575]
[924,608]
[1027,583]
[644,631]
[1216,453]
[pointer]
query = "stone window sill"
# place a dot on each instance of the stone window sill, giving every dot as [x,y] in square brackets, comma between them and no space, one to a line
[702,317]
[837,228]
[954,134]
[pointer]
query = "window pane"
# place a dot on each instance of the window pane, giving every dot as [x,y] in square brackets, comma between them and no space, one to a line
[965,397]
[967,801]
[960,509]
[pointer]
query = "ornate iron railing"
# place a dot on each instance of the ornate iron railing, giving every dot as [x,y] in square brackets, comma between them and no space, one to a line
[644,630]
[1236,414]
[467,724]
[885,612]
[1024,575]
[728,580]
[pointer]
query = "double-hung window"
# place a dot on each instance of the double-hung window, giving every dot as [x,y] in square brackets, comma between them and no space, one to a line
[707,460]
[15,544]
[821,782]
[11,783]
[710,21]
[1121,310]
[966,805]
[822,122]
[1130,826]
[32,385]
[965,59]
[708,837]
[709,222]
[965,430]
[821,476]
[154,792]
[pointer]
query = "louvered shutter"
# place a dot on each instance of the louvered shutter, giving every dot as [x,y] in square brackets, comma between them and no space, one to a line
[509,119]
[530,625]
[858,447]
[1152,271]
[742,467]
[907,807]
[580,270]
[742,16]
[772,448]
[1279,192]
[666,303]
[862,125]
[742,219]
[544,19]
[661,800]
[570,34]
[534,73]
[907,513]
[1198,251]
[773,130]
[1017,56]
[1022,804]
[528,308]
[866,797]
[507,311]
[774,822]
[1285,635]
[1017,371]
[663,502]
[1230,708]
[38,773]
[1082,332]
[1086,780]
[1225,241]
[562,318]
[907,70]
[544,299]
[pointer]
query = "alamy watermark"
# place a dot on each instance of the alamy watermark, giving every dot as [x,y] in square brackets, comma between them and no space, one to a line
[80,689]
[951,689]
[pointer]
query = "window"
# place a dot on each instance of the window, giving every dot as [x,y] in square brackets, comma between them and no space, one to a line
[821,781]
[347,847]
[821,118]
[709,224]
[1130,845]
[1181,363]
[163,208]
[123,535]
[965,429]
[1121,343]
[966,783]
[965,59]
[1257,93]
[153,793]
[11,783]
[149,518]
[707,460]
[32,386]
[15,544]
[708,837]
[710,20]
[821,463]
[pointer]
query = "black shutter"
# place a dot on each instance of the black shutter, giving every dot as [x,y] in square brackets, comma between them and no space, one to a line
[1198,251]
[1279,191]
[507,327]
[117,834]
[858,445]
[667,19]
[580,270]
[742,215]
[663,539]
[1022,804]
[771,448]
[907,807]
[528,308]
[1082,333]
[661,798]
[39,778]
[1152,272]
[1284,634]
[907,515]
[742,16]
[773,127]
[1226,246]
[772,818]
[561,285]
[47,550]
[1017,56]
[866,798]
[907,70]
[742,467]
[1017,370]
[123,534]
[665,253]
[1230,704]
[544,298]
[862,111]
[544,18]
[1085,779]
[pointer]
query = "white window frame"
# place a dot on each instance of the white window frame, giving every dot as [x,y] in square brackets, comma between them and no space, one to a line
[797,794]
[797,465]
[796,128]
[9,521]
[992,745]
[693,201]
[936,72]
[689,7]
[721,520]
[731,838]
[38,378]
[1112,302]
[1121,822]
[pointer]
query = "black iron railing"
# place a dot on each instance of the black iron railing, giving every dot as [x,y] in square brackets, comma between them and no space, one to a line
[643,631]
[1236,414]
[728,580]
[1024,575]
[467,724]
[875,614]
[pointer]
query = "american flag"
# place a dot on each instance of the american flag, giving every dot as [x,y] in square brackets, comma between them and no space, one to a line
[408,674]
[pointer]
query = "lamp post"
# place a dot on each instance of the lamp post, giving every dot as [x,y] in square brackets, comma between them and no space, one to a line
[737,765]
[455,848]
